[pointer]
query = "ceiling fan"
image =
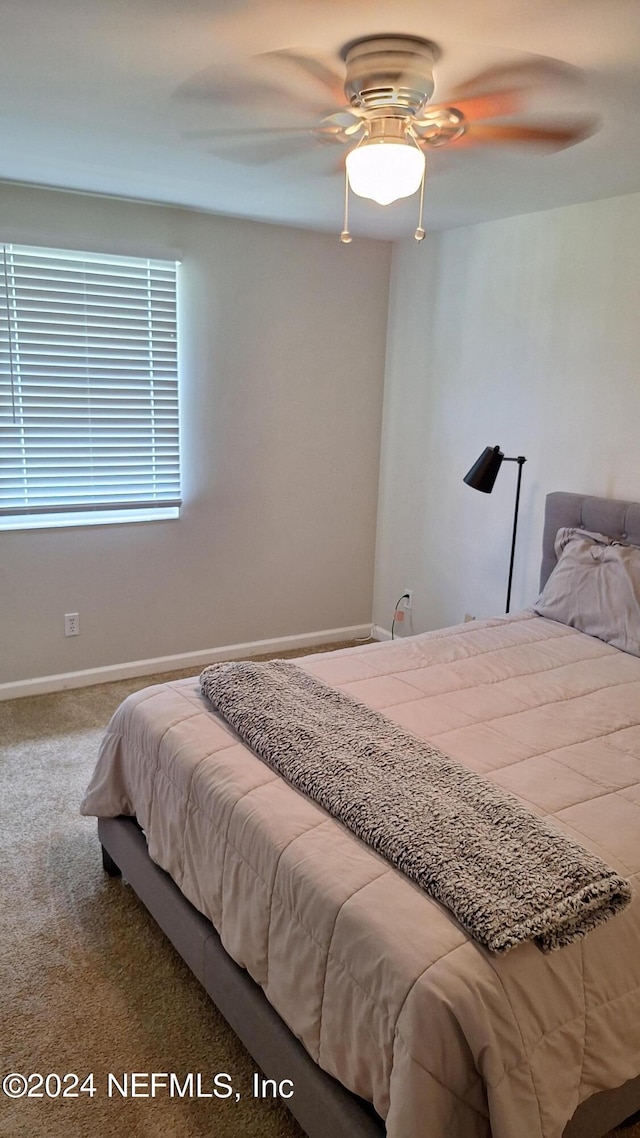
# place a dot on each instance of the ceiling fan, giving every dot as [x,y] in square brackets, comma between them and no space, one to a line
[380,109]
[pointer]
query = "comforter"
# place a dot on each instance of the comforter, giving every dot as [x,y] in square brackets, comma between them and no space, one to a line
[377,979]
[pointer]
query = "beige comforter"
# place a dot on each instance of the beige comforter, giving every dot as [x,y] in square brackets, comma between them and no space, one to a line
[378,980]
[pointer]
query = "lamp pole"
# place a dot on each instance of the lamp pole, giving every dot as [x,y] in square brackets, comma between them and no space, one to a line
[520,460]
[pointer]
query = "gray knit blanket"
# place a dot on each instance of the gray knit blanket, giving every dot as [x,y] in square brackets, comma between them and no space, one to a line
[505,874]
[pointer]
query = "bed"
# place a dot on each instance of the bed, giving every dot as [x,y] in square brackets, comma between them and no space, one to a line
[335,970]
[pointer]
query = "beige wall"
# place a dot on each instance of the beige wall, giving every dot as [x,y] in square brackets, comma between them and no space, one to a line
[282,336]
[523,333]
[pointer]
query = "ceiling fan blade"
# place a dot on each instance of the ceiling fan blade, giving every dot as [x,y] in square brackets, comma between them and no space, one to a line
[228,86]
[551,137]
[215,84]
[520,76]
[498,92]
[492,105]
[262,151]
[252,132]
[255,146]
[310,65]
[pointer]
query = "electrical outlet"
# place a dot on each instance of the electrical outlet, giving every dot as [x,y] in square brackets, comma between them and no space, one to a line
[408,600]
[72,624]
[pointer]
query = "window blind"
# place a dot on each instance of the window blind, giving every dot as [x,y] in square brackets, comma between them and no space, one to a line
[88,383]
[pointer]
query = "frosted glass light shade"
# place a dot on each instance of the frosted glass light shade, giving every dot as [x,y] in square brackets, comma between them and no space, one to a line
[385,171]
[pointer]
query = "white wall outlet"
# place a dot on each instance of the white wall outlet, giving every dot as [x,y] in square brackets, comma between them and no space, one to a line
[72,624]
[408,600]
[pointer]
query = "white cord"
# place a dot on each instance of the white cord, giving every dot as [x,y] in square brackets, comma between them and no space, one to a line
[364,639]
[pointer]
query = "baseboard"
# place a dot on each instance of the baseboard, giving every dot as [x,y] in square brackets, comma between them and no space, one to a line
[380,633]
[40,685]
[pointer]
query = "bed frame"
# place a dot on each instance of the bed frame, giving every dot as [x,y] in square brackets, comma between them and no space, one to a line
[321,1104]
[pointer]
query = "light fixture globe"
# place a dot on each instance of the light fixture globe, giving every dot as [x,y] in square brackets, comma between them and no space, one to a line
[385,169]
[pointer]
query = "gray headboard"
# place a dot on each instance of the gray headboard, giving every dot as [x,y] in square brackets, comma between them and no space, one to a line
[609,516]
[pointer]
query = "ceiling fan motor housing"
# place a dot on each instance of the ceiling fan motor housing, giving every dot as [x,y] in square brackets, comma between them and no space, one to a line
[390,71]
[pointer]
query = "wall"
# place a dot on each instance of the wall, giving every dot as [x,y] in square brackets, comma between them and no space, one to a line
[282,341]
[522,333]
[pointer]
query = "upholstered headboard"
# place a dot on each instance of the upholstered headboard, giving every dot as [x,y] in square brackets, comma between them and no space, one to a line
[609,516]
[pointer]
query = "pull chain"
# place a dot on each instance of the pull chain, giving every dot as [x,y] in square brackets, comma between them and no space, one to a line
[420,233]
[345,236]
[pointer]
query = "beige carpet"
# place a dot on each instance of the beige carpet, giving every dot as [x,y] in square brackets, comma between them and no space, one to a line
[88,981]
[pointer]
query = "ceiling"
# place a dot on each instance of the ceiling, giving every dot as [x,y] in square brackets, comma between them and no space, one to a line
[92,97]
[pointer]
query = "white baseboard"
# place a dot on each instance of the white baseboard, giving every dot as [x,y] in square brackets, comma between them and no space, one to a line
[380,633]
[40,685]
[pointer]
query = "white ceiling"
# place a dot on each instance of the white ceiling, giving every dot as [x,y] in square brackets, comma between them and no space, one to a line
[90,100]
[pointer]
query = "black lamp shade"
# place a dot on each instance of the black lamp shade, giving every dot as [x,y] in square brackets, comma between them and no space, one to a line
[484,471]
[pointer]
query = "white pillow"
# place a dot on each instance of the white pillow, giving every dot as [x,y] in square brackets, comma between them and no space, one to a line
[595,587]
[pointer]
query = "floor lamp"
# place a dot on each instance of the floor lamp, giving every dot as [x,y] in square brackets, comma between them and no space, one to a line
[482,476]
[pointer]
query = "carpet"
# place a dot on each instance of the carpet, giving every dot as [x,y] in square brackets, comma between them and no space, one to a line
[88,981]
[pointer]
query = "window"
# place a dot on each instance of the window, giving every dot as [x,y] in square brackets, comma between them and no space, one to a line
[88,388]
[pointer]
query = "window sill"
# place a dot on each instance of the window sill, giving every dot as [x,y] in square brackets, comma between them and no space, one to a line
[88,518]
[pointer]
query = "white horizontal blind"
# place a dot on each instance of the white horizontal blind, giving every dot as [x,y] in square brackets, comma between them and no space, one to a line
[88,382]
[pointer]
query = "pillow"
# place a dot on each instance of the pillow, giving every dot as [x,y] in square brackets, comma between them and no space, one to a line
[595,587]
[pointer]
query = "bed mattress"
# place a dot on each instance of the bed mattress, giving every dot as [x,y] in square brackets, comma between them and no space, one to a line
[378,980]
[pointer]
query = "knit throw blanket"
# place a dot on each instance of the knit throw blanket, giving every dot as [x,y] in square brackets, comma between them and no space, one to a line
[503,872]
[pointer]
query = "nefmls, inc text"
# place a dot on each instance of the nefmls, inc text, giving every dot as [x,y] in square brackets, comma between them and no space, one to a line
[193,1084]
